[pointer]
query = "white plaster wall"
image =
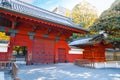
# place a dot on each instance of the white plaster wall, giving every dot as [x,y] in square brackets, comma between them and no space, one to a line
[3,47]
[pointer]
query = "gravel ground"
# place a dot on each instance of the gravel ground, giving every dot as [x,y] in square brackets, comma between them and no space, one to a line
[66,71]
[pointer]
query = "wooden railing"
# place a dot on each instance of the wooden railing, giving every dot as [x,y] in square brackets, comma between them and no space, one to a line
[15,70]
[84,63]
[6,65]
[9,65]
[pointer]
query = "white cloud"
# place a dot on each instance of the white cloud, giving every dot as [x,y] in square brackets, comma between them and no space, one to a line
[28,1]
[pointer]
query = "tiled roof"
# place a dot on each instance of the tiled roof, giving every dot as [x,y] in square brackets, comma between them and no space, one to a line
[30,10]
[112,50]
[4,41]
[80,42]
[87,40]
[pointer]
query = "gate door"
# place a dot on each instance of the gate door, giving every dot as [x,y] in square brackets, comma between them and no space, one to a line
[43,51]
[61,55]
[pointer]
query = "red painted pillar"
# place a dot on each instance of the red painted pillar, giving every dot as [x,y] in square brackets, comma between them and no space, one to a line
[56,52]
[29,53]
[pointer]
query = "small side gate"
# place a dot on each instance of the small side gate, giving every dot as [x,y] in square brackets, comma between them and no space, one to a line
[61,55]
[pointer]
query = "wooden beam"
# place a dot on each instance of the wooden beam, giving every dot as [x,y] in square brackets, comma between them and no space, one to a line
[14,24]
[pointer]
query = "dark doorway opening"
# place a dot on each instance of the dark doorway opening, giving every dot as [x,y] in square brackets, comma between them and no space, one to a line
[19,53]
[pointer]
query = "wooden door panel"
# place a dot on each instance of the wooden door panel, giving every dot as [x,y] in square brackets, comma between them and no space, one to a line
[43,51]
[61,55]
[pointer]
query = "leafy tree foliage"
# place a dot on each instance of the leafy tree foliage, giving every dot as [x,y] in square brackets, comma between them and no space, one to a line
[85,14]
[23,49]
[3,36]
[109,21]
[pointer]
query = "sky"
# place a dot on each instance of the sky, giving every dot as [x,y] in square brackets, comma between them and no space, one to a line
[101,5]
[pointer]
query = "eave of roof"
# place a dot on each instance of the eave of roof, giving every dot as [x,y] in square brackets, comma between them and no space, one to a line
[80,42]
[65,21]
[4,41]
[112,50]
[86,41]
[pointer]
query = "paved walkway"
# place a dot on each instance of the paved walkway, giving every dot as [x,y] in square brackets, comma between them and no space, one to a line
[66,71]
[5,75]
[2,76]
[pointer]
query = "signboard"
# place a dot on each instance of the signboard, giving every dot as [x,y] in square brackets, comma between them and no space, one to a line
[3,47]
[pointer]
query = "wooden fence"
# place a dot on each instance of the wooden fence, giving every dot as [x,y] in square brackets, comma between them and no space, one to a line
[6,65]
[84,63]
[15,71]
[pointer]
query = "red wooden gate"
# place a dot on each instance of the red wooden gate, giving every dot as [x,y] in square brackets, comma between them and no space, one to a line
[61,55]
[43,51]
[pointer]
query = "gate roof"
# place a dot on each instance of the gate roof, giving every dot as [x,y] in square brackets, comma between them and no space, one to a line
[36,12]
